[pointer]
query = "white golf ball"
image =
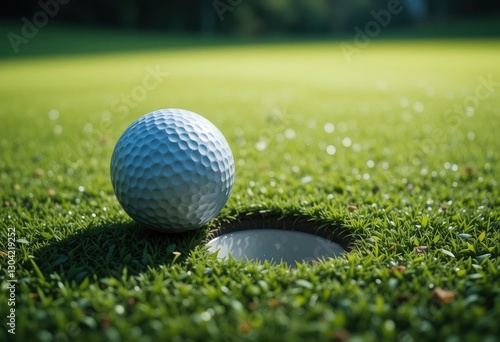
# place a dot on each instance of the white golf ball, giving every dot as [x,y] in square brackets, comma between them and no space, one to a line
[172,170]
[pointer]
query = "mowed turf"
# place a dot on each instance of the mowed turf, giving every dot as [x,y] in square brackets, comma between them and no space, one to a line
[398,146]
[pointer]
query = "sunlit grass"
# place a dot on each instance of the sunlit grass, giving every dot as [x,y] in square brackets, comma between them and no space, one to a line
[311,134]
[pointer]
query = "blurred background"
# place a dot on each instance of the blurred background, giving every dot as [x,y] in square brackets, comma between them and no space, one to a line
[259,17]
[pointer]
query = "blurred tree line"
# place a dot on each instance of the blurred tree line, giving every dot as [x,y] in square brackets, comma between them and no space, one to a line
[244,16]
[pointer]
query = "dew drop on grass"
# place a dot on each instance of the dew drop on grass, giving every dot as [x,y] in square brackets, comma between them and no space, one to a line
[58,129]
[290,133]
[53,114]
[206,315]
[330,149]
[389,325]
[346,142]
[306,179]
[329,127]
[261,145]
[418,107]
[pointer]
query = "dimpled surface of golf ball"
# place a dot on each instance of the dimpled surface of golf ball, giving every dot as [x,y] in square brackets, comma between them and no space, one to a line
[172,170]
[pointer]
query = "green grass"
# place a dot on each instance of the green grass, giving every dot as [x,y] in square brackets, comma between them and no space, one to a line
[418,176]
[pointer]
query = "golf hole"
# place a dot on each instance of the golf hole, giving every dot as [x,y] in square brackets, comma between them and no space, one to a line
[287,240]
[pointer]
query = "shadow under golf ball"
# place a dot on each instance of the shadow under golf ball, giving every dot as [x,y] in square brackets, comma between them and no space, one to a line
[289,242]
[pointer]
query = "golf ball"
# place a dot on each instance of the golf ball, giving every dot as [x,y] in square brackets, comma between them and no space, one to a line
[172,170]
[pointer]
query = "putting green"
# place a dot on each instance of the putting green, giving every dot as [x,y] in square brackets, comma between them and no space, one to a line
[399,146]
